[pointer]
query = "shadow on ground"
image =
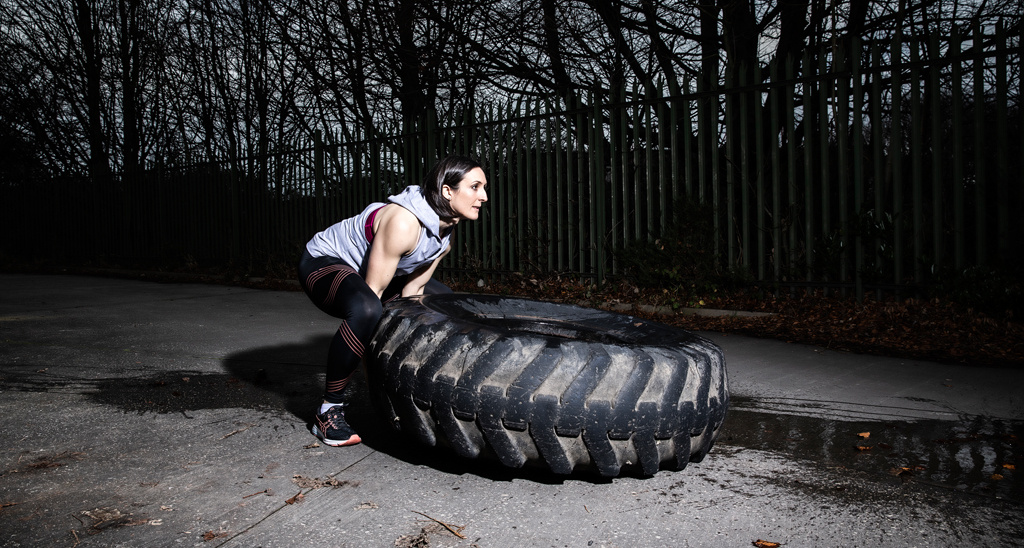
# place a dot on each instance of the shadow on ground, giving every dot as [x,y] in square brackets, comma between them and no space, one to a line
[285,378]
[973,454]
[289,379]
[292,377]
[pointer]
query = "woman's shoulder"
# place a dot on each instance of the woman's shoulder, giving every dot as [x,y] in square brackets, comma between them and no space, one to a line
[396,214]
[397,224]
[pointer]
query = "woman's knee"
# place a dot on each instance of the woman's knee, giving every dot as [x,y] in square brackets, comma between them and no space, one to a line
[364,309]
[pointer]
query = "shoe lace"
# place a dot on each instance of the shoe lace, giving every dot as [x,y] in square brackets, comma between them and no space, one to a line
[333,415]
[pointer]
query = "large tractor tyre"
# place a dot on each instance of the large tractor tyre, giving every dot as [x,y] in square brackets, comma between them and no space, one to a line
[555,385]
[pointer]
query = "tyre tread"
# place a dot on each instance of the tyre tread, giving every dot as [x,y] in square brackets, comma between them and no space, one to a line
[527,401]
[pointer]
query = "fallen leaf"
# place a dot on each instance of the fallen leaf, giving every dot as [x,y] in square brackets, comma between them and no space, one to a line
[1009,467]
[211,535]
[902,471]
[765,544]
[296,498]
[865,435]
[996,477]
[863,447]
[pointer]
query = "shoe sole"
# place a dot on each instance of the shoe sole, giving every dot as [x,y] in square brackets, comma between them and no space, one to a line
[352,440]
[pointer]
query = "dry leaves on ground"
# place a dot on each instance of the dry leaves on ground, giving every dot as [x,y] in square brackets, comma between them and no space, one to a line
[925,329]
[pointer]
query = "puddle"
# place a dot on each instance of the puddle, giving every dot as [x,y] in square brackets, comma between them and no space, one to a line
[977,454]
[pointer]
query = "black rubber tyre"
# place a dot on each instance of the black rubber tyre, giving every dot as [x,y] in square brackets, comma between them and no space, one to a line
[537,383]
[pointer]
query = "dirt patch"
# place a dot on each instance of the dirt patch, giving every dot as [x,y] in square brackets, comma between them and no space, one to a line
[46,462]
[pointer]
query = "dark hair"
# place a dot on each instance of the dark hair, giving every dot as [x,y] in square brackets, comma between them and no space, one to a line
[449,171]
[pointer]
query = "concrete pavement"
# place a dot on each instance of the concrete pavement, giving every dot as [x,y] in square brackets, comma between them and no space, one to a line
[147,414]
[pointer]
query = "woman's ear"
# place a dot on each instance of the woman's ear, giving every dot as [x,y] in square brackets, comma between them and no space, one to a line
[446,191]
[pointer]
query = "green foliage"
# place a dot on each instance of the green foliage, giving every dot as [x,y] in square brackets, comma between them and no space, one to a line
[877,233]
[681,262]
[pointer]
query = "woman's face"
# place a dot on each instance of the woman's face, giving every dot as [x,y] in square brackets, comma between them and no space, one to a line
[467,200]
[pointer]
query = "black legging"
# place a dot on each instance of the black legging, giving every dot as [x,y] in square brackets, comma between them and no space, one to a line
[339,290]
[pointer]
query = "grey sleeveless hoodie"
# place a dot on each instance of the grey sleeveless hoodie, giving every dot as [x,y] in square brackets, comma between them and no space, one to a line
[346,240]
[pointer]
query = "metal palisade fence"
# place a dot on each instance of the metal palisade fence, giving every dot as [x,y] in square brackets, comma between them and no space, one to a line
[865,172]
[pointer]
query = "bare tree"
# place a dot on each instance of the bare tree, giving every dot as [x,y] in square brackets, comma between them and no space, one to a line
[119,84]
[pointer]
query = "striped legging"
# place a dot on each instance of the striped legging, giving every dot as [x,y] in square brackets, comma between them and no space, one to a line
[339,290]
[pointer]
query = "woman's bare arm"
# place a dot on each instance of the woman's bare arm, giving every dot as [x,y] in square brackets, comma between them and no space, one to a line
[397,233]
[418,279]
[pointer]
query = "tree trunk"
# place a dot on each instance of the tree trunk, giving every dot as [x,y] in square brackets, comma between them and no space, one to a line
[128,13]
[87,25]
[410,89]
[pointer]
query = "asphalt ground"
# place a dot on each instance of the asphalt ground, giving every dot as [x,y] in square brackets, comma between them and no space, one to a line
[163,414]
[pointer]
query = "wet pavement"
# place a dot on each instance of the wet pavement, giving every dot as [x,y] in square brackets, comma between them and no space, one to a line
[975,455]
[142,414]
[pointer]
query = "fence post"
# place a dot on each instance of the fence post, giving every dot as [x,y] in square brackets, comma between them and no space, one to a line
[855,57]
[687,146]
[917,153]
[791,146]
[774,125]
[746,242]
[597,192]
[809,112]
[877,153]
[841,115]
[318,176]
[236,217]
[1002,61]
[732,137]
[980,173]
[958,146]
[935,99]
[431,153]
[714,164]
[896,156]
[758,113]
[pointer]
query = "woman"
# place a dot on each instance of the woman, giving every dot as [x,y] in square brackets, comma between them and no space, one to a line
[388,250]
